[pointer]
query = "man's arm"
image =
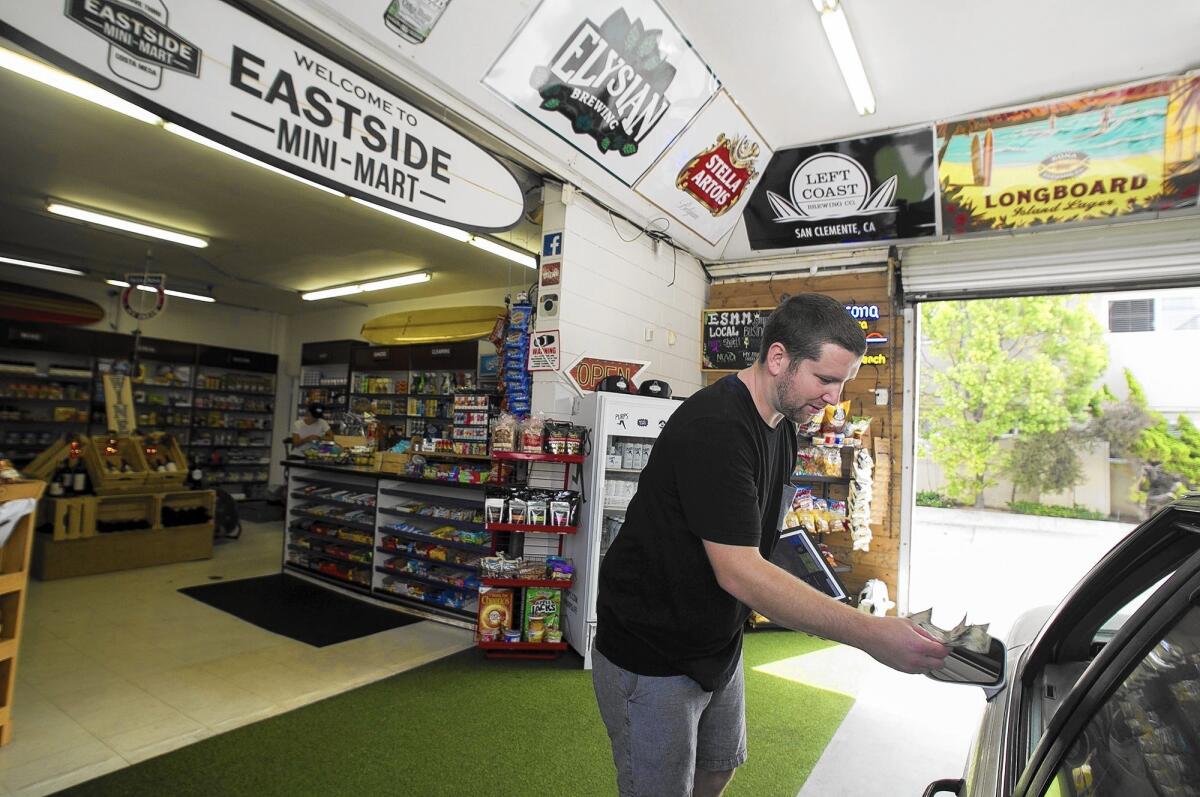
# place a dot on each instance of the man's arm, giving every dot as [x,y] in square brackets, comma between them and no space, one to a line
[743,573]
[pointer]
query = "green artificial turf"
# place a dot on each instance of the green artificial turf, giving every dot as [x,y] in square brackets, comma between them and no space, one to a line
[465,725]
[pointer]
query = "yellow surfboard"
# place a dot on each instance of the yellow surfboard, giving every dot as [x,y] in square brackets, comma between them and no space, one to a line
[438,325]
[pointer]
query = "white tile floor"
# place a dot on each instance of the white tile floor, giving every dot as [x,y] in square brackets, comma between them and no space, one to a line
[120,667]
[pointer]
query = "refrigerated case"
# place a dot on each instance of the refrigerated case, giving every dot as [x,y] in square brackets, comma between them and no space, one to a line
[623,431]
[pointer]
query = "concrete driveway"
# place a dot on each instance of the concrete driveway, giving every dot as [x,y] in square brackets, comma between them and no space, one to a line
[904,731]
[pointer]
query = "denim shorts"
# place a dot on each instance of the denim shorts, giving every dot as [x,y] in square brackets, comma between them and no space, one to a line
[663,729]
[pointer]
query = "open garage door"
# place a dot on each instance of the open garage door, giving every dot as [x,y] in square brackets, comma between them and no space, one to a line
[1133,256]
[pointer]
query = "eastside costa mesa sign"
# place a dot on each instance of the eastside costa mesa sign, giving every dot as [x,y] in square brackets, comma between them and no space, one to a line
[225,74]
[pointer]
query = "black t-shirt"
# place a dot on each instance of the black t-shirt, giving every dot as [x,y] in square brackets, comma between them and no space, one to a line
[717,473]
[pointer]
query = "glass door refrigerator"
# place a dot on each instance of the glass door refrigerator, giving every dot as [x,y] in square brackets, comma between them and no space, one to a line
[623,430]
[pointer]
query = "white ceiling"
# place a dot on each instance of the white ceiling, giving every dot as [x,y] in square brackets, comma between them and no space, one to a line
[927,60]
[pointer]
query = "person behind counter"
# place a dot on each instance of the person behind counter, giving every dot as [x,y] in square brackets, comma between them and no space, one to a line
[312,427]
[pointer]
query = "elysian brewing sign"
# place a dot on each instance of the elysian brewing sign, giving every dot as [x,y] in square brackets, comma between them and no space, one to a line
[230,77]
[618,82]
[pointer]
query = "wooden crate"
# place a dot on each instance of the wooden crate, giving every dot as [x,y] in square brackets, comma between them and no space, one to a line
[14,578]
[70,518]
[162,448]
[186,499]
[126,508]
[106,482]
[106,553]
[45,464]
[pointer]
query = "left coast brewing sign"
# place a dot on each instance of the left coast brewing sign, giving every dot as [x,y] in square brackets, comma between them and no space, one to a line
[231,77]
[863,189]
[613,78]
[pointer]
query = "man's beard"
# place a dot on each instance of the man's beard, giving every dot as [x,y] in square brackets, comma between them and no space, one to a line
[794,412]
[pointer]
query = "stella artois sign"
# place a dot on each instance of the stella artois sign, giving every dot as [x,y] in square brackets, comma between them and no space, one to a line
[718,175]
[708,175]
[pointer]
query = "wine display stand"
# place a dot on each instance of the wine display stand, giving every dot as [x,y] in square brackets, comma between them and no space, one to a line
[76,545]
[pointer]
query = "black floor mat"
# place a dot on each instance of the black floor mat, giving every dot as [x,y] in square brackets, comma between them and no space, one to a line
[299,610]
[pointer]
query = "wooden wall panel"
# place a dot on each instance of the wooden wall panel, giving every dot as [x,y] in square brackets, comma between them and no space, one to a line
[882,561]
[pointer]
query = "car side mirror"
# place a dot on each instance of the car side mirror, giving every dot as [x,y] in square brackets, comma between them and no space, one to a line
[979,669]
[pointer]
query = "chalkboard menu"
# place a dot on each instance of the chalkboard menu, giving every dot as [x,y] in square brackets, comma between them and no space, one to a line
[731,337]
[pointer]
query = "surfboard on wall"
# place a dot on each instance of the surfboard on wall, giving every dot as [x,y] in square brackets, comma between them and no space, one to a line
[25,303]
[438,325]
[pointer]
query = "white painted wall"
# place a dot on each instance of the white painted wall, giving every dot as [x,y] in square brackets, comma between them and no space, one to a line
[1161,360]
[616,286]
[1095,492]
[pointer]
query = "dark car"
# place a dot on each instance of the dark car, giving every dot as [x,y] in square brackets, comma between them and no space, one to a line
[1099,697]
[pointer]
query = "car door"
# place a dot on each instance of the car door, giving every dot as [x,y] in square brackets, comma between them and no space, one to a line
[1130,724]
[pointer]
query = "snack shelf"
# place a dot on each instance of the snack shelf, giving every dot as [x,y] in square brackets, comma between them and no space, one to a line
[322,500]
[49,400]
[466,525]
[523,645]
[519,456]
[327,483]
[328,538]
[411,535]
[228,392]
[327,557]
[404,395]
[336,521]
[25,376]
[341,582]
[473,568]
[522,650]
[436,500]
[549,583]
[528,528]
[623,470]
[233,428]
[394,597]
[813,477]
[451,455]
[433,582]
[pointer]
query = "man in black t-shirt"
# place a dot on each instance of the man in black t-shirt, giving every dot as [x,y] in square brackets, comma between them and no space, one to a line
[691,561]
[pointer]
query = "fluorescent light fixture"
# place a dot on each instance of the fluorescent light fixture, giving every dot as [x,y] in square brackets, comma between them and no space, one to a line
[837,31]
[56,78]
[195,297]
[396,282]
[366,287]
[128,225]
[446,230]
[42,266]
[183,132]
[488,245]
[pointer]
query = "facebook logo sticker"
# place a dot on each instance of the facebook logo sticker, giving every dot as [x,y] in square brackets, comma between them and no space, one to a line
[552,244]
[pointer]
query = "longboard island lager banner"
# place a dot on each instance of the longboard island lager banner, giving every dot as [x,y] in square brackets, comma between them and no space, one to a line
[226,75]
[613,78]
[864,189]
[1101,155]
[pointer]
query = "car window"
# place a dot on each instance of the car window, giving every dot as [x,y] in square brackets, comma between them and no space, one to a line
[1145,739]
[1114,623]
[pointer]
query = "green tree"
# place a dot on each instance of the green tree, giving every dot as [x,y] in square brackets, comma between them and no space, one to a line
[1046,463]
[1001,366]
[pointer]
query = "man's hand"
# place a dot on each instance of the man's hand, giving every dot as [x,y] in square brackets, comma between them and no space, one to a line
[899,644]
